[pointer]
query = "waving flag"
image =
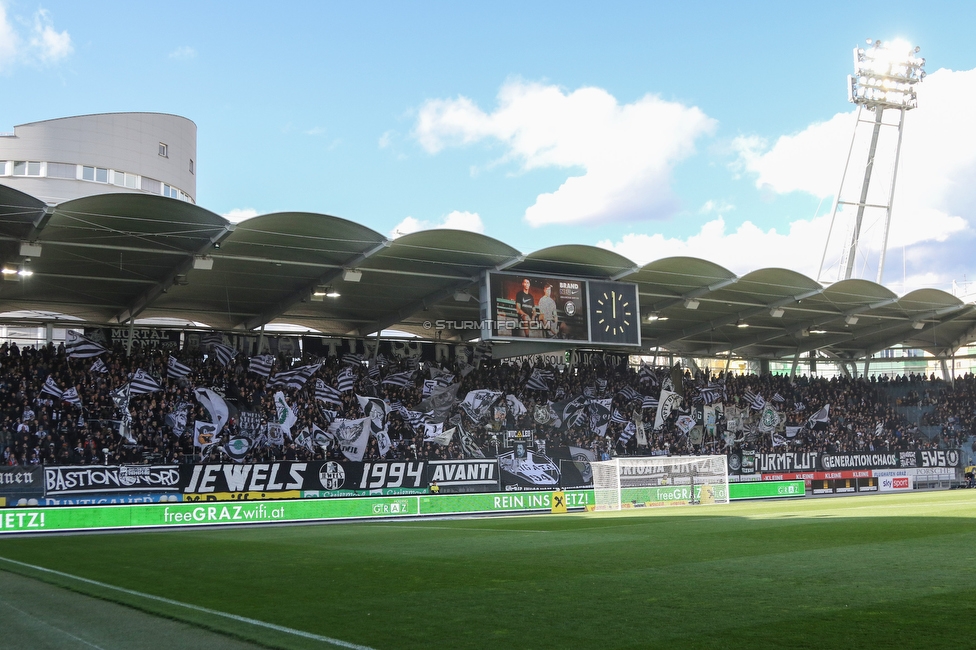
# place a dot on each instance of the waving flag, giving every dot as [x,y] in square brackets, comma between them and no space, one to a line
[401,379]
[346,379]
[261,364]
[78,346]
[215,406]
[327,394]
[819,420]
[142,382]
[294,378]
[756,402]
[223,353]
[71,396]
[175,369]
[51,388]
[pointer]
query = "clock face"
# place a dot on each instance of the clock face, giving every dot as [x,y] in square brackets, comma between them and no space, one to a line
[614,315]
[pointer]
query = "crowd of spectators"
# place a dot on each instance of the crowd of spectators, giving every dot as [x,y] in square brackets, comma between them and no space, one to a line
[38,428]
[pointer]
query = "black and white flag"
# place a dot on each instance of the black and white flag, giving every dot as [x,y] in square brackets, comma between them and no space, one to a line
[175,369]
[98,367]
[142,382]
[327,394]
[223,353]
[629,393]
[295,379]
[538,379]
[401,379]
[756,402]
[819,420]
[78,346]
[346,379]
[71,396]
[51,388]
[261,364]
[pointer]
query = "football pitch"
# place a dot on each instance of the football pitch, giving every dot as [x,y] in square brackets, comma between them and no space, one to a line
[852,572]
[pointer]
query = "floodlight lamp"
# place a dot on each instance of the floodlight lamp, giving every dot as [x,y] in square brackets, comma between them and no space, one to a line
[740,324]
[29,249]
[203,263]
[7,270]
[25,272]
[331,293]
[352,275]
[918,325]
[777,312]
[462,296]
[850,320]
[818,331]
[691,303]
[653,316]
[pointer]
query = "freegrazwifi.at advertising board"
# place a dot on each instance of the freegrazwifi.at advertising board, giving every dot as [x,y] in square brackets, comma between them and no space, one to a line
[179,515]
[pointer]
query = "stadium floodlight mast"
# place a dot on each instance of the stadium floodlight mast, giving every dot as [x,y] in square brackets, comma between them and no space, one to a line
[885,76]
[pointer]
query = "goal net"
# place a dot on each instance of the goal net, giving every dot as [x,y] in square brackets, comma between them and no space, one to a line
[637,482]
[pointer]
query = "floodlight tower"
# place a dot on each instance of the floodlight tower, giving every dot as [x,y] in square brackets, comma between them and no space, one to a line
[884,77]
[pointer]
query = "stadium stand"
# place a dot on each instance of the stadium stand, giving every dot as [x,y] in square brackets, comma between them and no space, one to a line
[147,408]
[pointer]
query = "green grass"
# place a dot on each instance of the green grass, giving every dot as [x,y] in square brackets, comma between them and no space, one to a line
[864,572]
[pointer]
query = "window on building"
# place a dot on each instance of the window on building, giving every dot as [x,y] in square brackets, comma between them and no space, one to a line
[151,185]
[122,179]
[191,166]
[164,150]
[62,170]
[3,167]
[96,174]
[27,168]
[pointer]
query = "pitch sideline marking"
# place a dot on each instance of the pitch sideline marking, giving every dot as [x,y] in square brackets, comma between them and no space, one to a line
[53,627]
[198,608]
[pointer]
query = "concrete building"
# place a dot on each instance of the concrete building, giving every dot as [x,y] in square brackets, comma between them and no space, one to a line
[67,158]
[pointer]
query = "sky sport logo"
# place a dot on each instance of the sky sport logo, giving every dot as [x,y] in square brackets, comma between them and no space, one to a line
[487,324]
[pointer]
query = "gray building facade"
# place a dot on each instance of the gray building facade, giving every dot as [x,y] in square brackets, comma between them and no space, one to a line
[67,158]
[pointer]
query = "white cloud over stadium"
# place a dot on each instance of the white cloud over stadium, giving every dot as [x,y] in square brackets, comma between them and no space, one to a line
[620,155]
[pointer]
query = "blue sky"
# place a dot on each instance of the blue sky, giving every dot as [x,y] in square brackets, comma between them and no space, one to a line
[708,129]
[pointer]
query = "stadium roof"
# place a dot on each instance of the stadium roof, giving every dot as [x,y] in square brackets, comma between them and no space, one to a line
[111,257]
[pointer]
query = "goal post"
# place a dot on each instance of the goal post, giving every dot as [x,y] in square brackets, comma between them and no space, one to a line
[644,481]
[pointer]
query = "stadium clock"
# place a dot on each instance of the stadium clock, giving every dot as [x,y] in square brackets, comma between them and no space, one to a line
[614,313]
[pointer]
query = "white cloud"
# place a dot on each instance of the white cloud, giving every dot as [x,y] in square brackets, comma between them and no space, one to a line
[316,130]
[386,140]
[9,40]
[717,207]
[43,45]
[48,44]
[456,220]
[625,152]
[183,52]
[238,215]
[743,250]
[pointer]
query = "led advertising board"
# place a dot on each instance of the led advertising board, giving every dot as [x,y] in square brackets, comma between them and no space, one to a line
[560,309]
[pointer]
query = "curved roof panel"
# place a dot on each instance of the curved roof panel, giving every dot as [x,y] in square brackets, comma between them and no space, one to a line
[576,260]
[108,258]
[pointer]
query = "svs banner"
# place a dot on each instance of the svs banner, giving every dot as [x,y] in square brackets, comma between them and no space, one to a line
[820,461]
